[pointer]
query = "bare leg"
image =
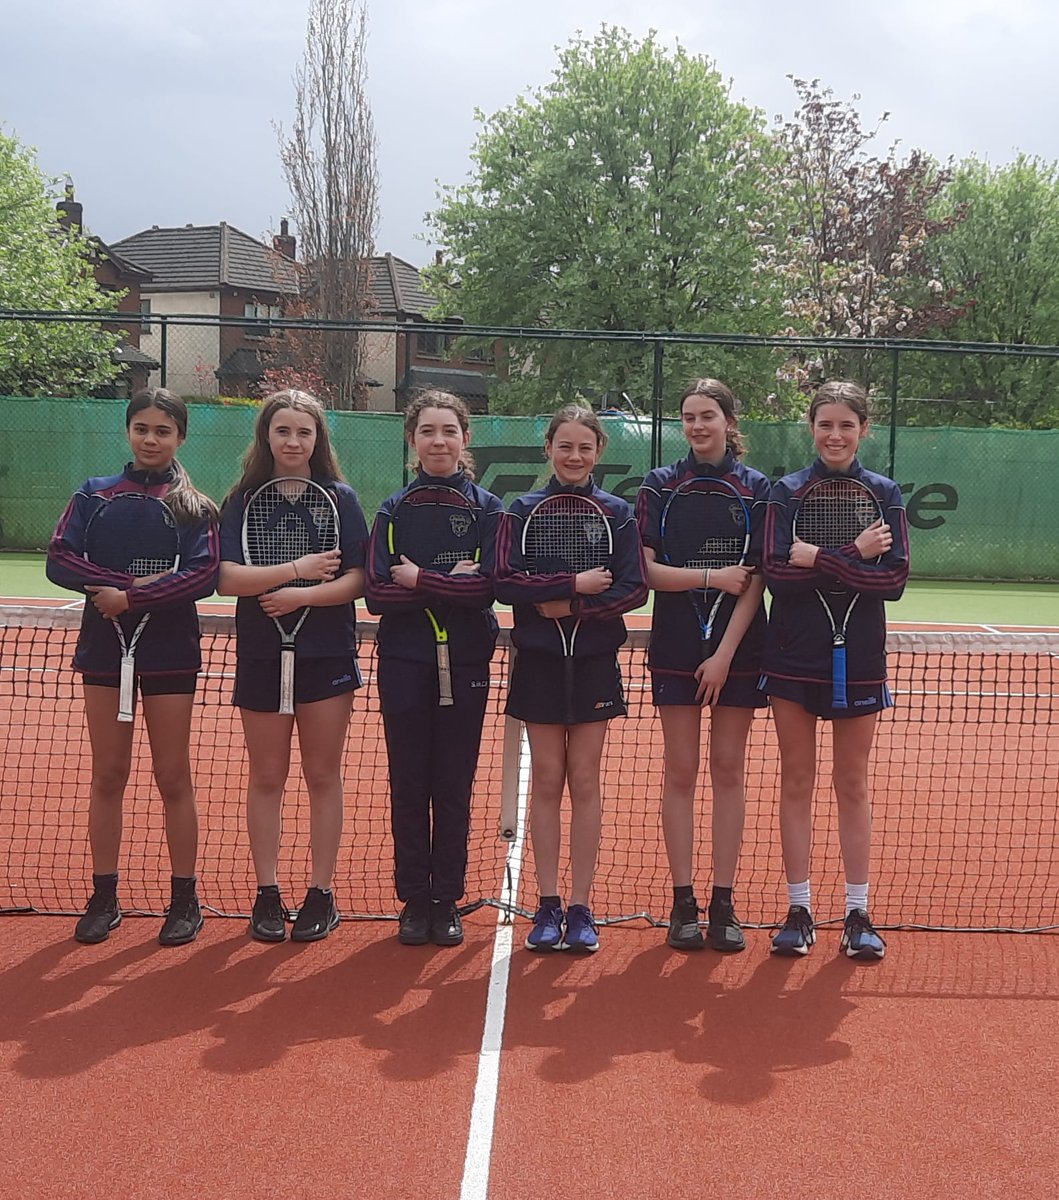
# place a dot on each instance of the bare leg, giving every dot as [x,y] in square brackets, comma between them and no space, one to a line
[268,747]
[168,721]
[111,742]
[322,730]
[584,748]
[852,749]
[681,726]
[548,759]
[729,728]
[796,731]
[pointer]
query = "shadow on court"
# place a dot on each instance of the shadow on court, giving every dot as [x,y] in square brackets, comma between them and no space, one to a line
[70,1007]
[748,1020]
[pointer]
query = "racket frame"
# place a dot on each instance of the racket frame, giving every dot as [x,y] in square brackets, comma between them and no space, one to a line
[568,626]
[839,688]
[128,645]
[287,637]
[438,628]
[700,597]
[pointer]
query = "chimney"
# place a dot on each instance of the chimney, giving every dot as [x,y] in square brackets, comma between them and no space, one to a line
[283,242]
[68,210]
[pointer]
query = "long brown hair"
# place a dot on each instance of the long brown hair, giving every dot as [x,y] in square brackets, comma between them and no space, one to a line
[435,398]
[188,504]
[726,402]
[579,415]
[841,391]
[258,463]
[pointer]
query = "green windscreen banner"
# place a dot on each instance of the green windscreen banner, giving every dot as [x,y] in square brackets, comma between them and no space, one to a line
[980,503]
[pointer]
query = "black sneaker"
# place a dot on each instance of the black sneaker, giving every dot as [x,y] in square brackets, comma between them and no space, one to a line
[316,917]
[446,925]
[684,932]
[723,931]
[860,938]
[414,923]
[796,934]
[101,916]
[183,920]
[268,921]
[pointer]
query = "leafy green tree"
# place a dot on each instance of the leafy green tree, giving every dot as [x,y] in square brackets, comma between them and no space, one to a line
[625,195]
[45,267]
[1005,258]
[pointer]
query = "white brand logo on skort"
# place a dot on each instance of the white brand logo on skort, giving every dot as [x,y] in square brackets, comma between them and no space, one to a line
[479,683]
[863,703]
[341,679]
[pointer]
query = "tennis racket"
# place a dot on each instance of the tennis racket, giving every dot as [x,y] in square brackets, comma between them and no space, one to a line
[135,535]
[567,534]
[705,525]
[832,513]
[285,519]
[436,527]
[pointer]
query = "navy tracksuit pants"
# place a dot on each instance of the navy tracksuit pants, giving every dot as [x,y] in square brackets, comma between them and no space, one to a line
[433,754]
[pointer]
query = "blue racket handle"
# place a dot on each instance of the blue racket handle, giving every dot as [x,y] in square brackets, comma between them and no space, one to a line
[839,699]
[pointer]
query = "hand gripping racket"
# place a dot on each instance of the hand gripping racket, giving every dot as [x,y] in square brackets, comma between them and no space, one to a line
[436,528]
[135,535]
[705,525]
[832,513]
[285,519]
[567,533]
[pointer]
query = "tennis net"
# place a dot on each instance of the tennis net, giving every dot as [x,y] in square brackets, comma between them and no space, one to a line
[964,778]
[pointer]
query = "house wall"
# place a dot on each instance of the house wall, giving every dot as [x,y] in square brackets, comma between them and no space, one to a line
[192,351]
[384,361]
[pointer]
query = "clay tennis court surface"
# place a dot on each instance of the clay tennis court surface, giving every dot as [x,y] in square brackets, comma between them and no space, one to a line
[349,1068]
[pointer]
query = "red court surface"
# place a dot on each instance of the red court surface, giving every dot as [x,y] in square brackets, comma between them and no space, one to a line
[347,1069]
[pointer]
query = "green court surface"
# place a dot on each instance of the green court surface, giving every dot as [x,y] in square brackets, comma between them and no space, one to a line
[22,575]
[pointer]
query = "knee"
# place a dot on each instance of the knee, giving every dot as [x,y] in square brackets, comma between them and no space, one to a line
[851,790]
[109,779]
[321,781]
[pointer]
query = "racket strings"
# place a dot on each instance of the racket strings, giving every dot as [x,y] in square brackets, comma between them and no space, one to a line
[574,540]
[705,530]
[716,553]
[136,535]
[835,516]
[434,528]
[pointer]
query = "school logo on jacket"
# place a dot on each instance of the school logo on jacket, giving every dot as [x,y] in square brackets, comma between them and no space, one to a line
[594,530]
[460,524]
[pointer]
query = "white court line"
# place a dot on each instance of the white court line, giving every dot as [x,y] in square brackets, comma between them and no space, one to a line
[479,1154]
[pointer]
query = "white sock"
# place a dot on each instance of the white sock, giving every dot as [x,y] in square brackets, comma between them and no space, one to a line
[798,893]
[856,896]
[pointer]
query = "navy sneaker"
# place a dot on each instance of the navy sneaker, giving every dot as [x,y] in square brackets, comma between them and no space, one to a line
[183,919]
[582,932]
[413,925]
[860,939]
[100,917]
[797,934]
[316,917]
[684,932]
[268,921]
[547,931]
[723,930]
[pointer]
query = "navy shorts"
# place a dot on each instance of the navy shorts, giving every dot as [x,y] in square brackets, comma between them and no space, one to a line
[815,698]
[670,688]
[257,681]
[537,688]
[182,683]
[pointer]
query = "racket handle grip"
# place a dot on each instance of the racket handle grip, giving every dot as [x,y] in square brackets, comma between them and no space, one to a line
[839,696]
[286,681]
[126,688]
[444,676]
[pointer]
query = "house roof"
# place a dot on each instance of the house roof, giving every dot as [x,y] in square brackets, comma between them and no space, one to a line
[242,363]
[132,356]
[397,288]
[470,385]
[203,257]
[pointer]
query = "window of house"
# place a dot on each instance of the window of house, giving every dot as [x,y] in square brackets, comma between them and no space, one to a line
[260,312]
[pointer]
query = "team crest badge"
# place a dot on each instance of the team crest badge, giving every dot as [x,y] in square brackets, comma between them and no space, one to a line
[460,524]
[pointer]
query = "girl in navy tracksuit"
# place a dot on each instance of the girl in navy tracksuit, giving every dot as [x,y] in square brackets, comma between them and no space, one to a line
[683,683]
[797,664]
[167,659]
[291,439]
[568,754]
[433,749]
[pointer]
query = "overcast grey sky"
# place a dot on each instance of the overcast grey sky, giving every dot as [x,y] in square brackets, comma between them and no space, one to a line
[163,113]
